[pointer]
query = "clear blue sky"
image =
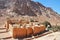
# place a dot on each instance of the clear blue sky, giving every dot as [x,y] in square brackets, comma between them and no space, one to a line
[54,4]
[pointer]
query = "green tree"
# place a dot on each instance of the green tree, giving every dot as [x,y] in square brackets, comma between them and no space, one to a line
[46,23]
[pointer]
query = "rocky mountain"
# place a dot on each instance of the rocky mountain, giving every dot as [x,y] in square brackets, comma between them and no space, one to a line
[28,8]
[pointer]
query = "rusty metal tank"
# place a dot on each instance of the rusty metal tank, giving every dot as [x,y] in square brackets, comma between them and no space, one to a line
[27,32]
[38,29]
[19,33]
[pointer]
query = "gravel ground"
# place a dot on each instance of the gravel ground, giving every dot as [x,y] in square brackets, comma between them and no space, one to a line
[52,36]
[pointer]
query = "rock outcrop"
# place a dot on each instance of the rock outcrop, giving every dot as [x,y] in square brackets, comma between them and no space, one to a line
[29,8]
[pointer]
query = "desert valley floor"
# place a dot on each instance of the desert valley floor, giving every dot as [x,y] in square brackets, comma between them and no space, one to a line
[51,36]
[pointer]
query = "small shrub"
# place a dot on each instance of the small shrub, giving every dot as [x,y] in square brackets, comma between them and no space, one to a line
[46,23]
[31,20]
[56,28]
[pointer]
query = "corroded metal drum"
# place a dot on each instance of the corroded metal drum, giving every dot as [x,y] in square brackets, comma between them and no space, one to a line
[19,33]
[42,28]
[29,32]
[37,30]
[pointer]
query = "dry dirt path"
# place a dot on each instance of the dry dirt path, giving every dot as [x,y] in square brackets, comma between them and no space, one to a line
[52,36]
[3,33]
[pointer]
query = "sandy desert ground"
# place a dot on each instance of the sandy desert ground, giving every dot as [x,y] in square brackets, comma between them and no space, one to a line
[51,36]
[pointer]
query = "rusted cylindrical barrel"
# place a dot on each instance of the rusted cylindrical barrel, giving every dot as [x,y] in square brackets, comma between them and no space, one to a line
[14,32]
[38,30]
[29,32]
[19,33]
[42,28]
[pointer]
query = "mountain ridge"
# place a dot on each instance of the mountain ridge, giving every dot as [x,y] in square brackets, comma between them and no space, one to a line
[29,8]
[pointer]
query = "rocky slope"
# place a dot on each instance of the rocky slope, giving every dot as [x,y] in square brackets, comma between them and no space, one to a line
[28,8]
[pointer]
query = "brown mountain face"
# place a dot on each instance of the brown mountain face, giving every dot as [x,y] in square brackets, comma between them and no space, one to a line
[28,8]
